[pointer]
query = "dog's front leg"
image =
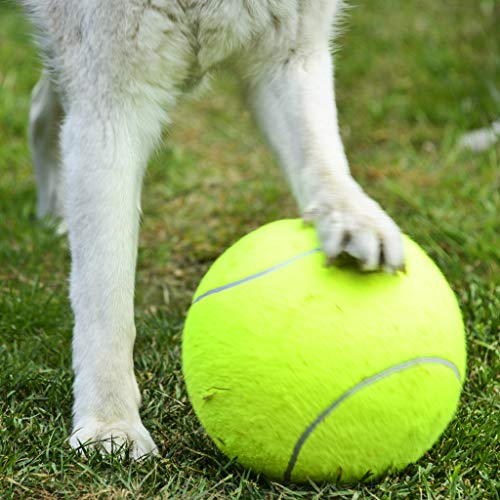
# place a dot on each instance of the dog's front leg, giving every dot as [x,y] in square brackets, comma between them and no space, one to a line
[294,103]
[105,145]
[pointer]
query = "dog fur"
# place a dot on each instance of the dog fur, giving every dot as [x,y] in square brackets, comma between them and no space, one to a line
[115,70]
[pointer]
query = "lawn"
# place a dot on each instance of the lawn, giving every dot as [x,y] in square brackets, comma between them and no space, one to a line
[410,81]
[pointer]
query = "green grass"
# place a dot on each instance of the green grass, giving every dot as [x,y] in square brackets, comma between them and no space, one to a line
[411,78]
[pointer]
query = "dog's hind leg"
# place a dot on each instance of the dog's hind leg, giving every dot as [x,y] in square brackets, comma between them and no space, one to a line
[46,115]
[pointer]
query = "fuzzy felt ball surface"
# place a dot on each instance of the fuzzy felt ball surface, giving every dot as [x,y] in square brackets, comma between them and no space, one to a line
[302,371]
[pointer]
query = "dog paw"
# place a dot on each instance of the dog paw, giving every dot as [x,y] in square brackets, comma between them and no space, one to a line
[116,437]
[355,224]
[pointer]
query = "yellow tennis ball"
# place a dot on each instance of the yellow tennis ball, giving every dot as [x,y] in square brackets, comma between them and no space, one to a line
[302,371]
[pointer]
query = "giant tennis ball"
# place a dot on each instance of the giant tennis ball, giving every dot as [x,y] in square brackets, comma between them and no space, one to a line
[302,371]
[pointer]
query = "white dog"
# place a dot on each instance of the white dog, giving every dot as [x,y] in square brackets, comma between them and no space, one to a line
[115,70]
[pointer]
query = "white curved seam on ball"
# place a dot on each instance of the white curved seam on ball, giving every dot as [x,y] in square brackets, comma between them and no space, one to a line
[256,275]
[358,387]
